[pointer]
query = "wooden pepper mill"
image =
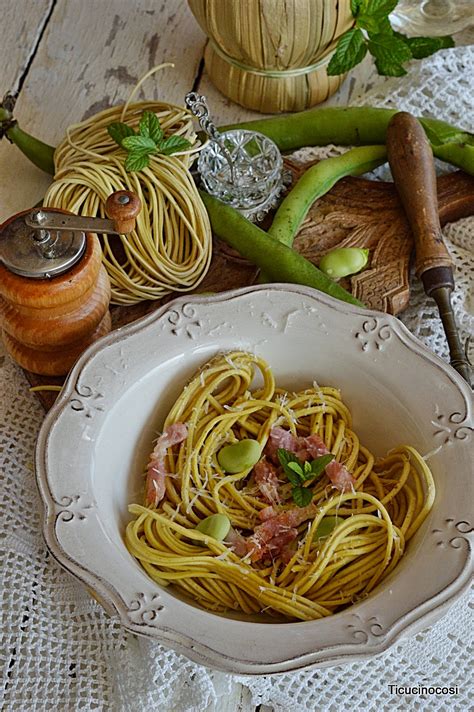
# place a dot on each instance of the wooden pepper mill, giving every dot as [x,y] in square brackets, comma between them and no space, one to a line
[54,290]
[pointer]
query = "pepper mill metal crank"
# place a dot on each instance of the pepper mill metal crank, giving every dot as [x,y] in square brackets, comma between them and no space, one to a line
[54,290]
[412,165]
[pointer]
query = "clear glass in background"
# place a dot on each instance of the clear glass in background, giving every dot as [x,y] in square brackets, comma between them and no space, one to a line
[248,177]
[432,17]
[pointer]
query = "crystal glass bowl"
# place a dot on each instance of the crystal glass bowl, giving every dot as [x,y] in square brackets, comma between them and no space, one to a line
[247,176]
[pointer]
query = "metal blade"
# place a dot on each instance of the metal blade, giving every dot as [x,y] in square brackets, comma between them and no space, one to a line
[458,360]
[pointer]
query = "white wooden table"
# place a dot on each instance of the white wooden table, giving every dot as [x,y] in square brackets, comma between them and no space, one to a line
[68,59]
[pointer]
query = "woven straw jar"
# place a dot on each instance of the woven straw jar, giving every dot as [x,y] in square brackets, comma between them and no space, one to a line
[271,55]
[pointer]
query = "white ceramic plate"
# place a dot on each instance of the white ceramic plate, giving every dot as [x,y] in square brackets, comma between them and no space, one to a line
[95,441]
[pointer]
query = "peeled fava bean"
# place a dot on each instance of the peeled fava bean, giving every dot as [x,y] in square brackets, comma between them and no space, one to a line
[344,261]
[239,456]
[326,526]
[216,526]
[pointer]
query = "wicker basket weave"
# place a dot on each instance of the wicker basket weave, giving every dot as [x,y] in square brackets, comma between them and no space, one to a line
[271,55]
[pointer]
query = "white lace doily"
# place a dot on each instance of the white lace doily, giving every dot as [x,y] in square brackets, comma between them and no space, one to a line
[61,651]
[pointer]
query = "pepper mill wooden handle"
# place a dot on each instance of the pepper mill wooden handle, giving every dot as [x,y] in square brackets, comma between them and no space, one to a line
[123,208]
[411,161]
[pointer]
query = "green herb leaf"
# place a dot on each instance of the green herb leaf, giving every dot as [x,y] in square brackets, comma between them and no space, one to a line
[150,127]
[292,466]
[351,49]
[136,161]
[118,131]
[173,144]
[390,52]
[421,47]
[140,143]
[355,6]
[376,25]
[319,464]
[296,467]
[293,478]
[285,456]
[378,8]
[302,496]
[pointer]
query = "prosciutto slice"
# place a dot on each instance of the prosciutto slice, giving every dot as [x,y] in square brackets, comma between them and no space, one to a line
[309,448]
[156,469]
[266,478]
[281,438]
[275,533]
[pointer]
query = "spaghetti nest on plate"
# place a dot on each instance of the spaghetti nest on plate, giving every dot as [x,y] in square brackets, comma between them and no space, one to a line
[314,522]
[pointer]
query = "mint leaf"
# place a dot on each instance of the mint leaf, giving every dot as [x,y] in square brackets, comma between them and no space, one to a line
[351,49]
[389,52]
[421,47]
[136,161]
[150,126]
[141,143]
[388,69]
[293,477]
[355,6]
[285,456]
[118,131]
[376,25]
[307,473]
[173,144]
[302,496]
[296,467]
[292,466]
[378,8]
[319,464]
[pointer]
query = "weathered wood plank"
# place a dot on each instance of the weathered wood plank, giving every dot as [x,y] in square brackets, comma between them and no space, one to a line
[22,24]
[90,57]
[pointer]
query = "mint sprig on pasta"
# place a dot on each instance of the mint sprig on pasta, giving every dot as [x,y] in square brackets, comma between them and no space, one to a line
[148,141]
[299,472]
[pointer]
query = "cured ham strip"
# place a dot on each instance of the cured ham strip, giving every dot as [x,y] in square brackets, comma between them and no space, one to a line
[275,533]
[237,541]
[340,476]
[309,448]
[156,468]
[281,438]
[266,477]
[267,513]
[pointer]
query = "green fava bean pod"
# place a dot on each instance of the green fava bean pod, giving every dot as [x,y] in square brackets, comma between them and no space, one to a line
[344,261]
[278,261]
[216,526]
[239,456]
[359,125]
[317,181]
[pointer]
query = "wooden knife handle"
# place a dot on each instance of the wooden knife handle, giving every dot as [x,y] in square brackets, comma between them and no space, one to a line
[411,161]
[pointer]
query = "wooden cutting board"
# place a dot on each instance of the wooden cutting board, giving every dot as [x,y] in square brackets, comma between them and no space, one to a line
[355,213]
